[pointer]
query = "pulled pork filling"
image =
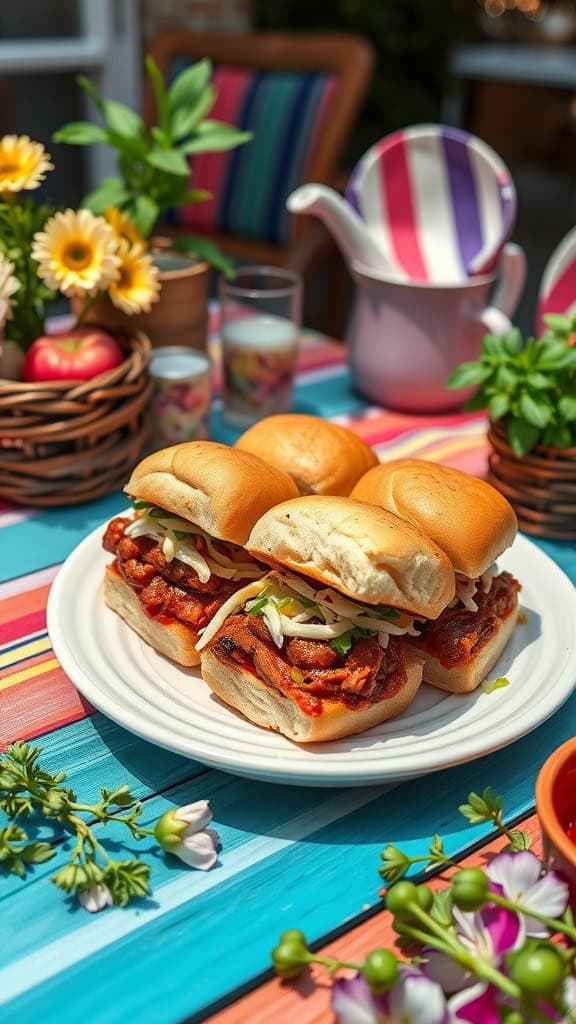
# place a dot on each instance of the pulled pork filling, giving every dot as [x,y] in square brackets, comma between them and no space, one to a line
[309,671]
[168,590]
[457,635]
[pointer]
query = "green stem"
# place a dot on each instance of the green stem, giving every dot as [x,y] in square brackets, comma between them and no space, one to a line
[550,922]
[86,309]
[331,964]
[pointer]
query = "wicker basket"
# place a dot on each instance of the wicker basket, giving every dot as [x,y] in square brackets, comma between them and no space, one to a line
[63,443]
[541,485]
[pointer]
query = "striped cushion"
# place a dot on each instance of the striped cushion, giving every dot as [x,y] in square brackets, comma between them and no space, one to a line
[286,111]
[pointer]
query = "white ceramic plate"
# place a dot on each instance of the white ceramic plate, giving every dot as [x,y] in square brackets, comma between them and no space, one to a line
[154,698]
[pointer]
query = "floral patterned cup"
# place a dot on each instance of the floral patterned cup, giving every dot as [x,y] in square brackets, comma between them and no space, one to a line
[180,403]
[260,314]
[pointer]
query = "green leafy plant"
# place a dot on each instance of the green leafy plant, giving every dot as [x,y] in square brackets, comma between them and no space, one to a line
[530,387]
[19,222]
[153,168]
[96,878]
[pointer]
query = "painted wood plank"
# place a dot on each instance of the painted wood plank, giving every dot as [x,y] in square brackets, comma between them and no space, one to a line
[307,1000]
[50,536]
[318,881]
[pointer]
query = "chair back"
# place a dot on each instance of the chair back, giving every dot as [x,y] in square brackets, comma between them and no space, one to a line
[298,94]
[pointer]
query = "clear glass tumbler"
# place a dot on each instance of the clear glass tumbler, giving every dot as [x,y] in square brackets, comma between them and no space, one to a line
[260,319]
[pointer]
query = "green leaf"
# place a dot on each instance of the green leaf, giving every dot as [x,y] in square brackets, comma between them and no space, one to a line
[498,406]
[567,407]
[537,412]
[506,377]
[539,381]
[395,866]
[492,345]
[204,249]
[110,192]
[88,85]
[562,324]
[468,374]
[214,137]
[511,342]
[171,161]
[144,212]
[520,841]
[476,402]
[441,909]
[522,436]
[160,92]
[127,879]
[80,133]
[123,120]
[189,84]
[559,435]
[37,853]
[343,644]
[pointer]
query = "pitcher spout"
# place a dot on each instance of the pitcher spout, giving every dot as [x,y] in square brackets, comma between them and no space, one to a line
[348,229]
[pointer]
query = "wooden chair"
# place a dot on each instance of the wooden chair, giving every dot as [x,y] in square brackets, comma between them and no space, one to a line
[300,95]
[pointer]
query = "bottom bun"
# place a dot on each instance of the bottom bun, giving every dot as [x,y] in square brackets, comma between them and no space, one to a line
[269,708]
[174,639]
[465,678]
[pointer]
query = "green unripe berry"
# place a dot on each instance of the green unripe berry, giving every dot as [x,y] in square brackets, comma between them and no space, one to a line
[538,971]
[425,897]
[294,935]
[380,970]
[289,959]
[400,897]
[470,889]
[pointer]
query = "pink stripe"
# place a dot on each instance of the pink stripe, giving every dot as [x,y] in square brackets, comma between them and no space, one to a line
[397,187]
[21,628]
[561,297]
[323,111]
[209,169]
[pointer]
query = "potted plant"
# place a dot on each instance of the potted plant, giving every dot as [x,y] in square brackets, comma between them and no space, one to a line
[529,391]
[72,403]
[153,178]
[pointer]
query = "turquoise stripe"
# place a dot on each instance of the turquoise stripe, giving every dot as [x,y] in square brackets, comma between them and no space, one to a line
[220,938]
[258,165]
[49,537]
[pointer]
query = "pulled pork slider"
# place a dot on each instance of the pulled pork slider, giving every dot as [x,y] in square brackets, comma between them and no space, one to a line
[321,457]
[473,523]
[315,649]
[180,556]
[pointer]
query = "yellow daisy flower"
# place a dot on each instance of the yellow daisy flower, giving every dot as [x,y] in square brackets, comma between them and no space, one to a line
[8,285]
[137,285]
[23,163]
[122,226]
[77,253]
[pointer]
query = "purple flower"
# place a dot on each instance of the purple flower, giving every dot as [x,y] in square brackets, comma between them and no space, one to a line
[414,999]
[476,1005]
[518,877]
[488,934]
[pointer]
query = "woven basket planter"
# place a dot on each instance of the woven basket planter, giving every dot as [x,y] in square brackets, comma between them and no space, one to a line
[63,443]
[541,485]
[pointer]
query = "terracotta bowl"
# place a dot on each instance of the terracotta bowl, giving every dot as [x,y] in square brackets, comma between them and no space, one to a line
[556,806]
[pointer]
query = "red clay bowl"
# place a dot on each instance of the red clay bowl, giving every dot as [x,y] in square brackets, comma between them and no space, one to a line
[556,807]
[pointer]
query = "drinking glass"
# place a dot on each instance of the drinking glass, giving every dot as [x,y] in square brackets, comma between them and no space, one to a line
[260,315]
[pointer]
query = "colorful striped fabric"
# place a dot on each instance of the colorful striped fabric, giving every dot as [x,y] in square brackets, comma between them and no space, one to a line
[558,285]
[439,201]
[286,110]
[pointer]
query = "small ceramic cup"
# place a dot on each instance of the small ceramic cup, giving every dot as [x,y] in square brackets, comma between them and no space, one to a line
[556,807]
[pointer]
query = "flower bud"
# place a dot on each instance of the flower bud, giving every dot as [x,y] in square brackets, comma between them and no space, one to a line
[95,898]
[182,832]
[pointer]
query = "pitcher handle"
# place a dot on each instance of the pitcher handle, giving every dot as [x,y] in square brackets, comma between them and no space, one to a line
[512,275]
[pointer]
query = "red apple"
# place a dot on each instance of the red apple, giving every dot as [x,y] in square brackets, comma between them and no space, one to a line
[78,354]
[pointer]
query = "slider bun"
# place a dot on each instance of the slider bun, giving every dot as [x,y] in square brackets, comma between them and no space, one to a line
[464,679]
[321,457]
[468,518]
[267,707]
[175,640]
[220,489]
[365,552]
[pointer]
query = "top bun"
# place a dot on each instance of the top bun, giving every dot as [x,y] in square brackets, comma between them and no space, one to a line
[366,553]
[222,490]
[321,457]
[468,518]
